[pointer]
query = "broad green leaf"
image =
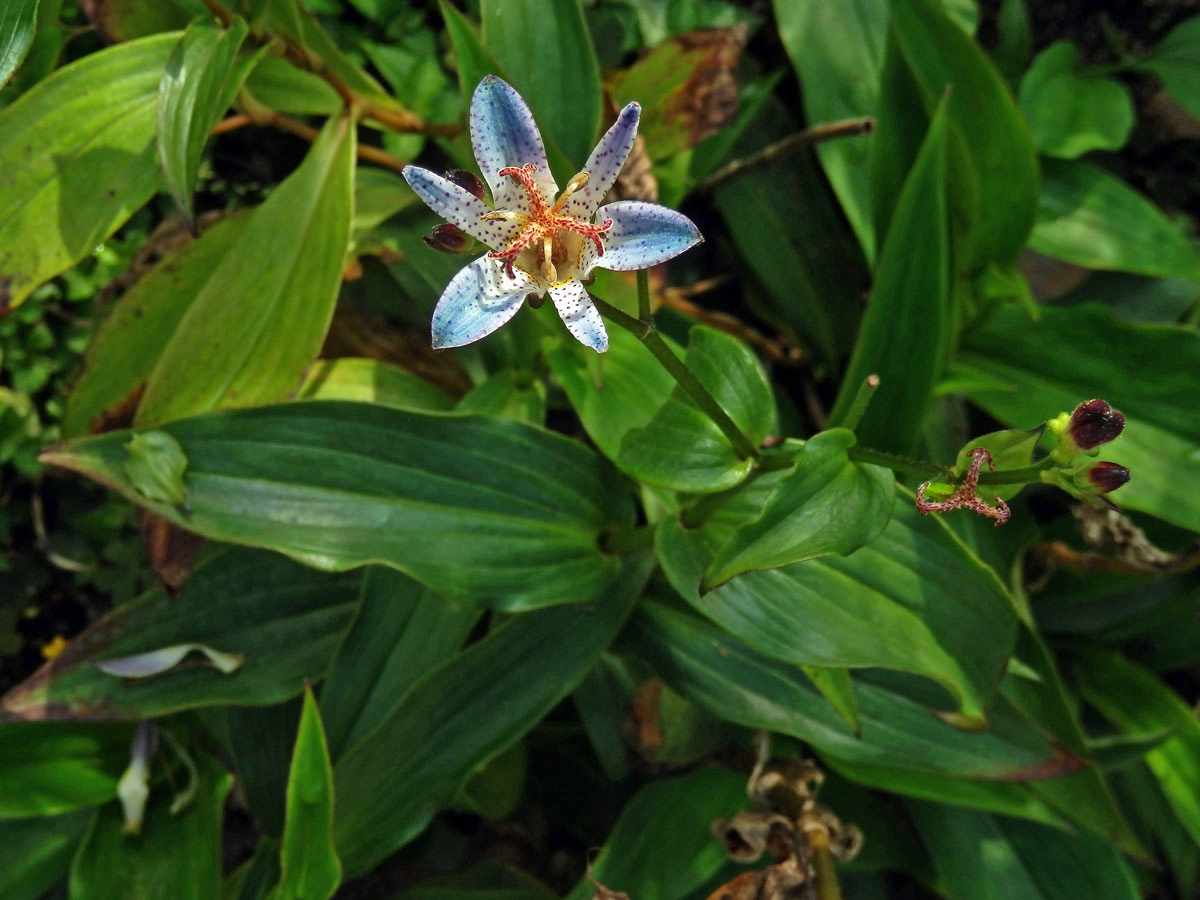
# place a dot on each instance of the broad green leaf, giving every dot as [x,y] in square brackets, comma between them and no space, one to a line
[1071,112]
[837,50]
[176,856]
[411,65]
[719,672]
[826,505]
[128,20]
[281,86]
[76,161]
[372,381]
[400,632]
[1142,795]
[49,768]
[285,620]
[1135,701]
[984,114]
[378,195]
[261,315]
[837,687]
[200,82]
[1038,369]
[662,846]
[993,858]
[908,329]
[1091,218]
[309,865]
[474,60]
[18,22]
[508,394]
[155,467]
[488,510]
[1013,40]
[1176,61]
[36,853]
[547,49]
[392,782]
[261,741]
[681,448]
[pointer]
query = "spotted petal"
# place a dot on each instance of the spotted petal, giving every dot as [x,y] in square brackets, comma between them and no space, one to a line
[477,301]
[460,206]
[503,133]
[580,315]
[605,163]
[642,235]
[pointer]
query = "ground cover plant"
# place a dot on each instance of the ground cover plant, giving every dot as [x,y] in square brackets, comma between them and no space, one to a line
[648,449]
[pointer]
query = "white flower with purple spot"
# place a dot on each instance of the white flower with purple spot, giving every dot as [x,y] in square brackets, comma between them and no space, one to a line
[541,241]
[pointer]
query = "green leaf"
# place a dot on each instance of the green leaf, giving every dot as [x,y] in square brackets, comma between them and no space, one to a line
[281,86]
[372,381]
[49,768]
[1037,369]
[176,856]
[983,112]
[36,853]
[1136,702]
[908,328]
[826,505]
[285,619]
[18,22]
[76,161]
[200,82]
[308,862]
[1176,61]
[1091,218]
[474,60]
[127,20]
[1072,112]
[837,687]
[282,280]
[378,195]
[662,846]
[400,633]
[547,50]
[155,467]
[837,50]
[508,394]
[488,510]
[392,782]
[1013,40]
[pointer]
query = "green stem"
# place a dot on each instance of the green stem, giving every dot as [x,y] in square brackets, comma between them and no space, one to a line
[826,877]
[1018,476]
[626,540]
[862,399]
[643,284]
[900,463]
[645,332]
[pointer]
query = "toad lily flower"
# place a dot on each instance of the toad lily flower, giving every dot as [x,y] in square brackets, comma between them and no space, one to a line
[541,241]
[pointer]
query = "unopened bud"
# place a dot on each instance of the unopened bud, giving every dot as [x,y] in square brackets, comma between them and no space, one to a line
[448,239]
[1094,423]
[469,182]
[1106,476]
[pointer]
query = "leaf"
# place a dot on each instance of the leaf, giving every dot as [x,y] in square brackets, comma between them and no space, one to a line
[285,620]
[1072,112]
[176,856]
[50,768]
[908,329]
[378,195]
[199,84]
[1013,40]
[566,104]
[93,116]
[837,687]
[392,782]
[1176,62]
[837,51]
[1071,355]
[18,22]
[281,86]
[127,20]
[36,853]
[372,381]
[474,60]
[662,845]
[486,510]
[283,279]
[308,862]
[826,505]
[1093,219]
[508,394]
[155,467]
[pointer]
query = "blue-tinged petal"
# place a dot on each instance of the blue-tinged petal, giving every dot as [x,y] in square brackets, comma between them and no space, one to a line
[460,206]
[580,315]
[605,163]
[477,301]
[503,133]
[642,235]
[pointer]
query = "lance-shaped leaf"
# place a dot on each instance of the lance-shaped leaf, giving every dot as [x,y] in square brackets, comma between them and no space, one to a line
[487,510]
[76,161]
[18,21]
[48,768]
[35,853]
[371,381]
[1176,61]
[260,317]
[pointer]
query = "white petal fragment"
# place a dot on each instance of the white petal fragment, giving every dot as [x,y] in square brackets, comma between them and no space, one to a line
[477,301]
[142,665]
[133,789]
[642,235]
[503,133]
[460,207]
[580,315]
[605,163]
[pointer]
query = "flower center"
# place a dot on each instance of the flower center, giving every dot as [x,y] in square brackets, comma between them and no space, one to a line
[544,229]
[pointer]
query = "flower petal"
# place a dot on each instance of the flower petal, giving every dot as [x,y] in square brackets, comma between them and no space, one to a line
[477,301]
[580,315]
[605,163]
[642,235]
[503,133]
[460,206]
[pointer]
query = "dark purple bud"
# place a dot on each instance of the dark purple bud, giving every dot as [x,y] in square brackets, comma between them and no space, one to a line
[468,181]
[1107,476]
[448,239]
[1094,423]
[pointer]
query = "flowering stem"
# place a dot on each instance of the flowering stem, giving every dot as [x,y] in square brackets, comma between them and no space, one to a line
[645,332]
[643,284]
[919,467]
[1018,476]
[862,400]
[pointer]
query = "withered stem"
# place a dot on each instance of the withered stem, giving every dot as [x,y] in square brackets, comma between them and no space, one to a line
[790,144]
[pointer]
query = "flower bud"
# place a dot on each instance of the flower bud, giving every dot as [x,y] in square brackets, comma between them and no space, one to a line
[469,182]
[1094,423]
[1088,480]
[448,239]
[1106,476]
